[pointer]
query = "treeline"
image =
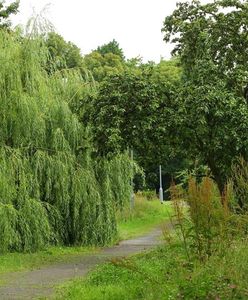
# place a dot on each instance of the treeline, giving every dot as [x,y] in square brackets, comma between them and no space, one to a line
[188,114]
[127,108]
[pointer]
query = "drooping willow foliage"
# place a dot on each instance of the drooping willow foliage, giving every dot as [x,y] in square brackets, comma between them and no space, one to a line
[51,190]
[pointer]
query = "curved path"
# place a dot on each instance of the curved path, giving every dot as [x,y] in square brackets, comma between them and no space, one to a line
[40,283]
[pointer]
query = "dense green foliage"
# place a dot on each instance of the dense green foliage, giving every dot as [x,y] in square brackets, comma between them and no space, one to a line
[111,47]
[62,54]
[239,185]
[51,191]
[144,92]
[125,111]
[187,112]
[130,109]
[102,65]
[218,30]
[210,111]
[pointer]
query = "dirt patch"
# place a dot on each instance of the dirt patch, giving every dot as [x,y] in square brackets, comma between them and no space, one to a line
[40,283]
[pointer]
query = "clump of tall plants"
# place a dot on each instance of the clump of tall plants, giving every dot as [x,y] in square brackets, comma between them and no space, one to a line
[51,190]
[203,216]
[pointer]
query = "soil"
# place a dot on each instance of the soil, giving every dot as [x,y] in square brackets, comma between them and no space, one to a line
[40,283]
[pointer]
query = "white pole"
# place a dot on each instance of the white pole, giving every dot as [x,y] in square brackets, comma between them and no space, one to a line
[161,196]
[132,193]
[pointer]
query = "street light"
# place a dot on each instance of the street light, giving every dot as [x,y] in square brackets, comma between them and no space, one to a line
[161,196]
[132,192]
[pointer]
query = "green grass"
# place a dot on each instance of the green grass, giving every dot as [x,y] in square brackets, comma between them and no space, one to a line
[145,216]
[165,273]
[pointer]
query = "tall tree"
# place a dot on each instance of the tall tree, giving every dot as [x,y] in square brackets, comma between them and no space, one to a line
[210,114]
[124,111]
[220,29]
[62,54]
[101,66]
[129,111]
[111,47]
[51,191]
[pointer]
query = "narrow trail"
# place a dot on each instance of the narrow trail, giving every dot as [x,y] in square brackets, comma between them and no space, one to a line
[40,283]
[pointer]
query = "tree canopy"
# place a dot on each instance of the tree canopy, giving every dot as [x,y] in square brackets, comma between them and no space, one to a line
[218,29]
[101,66]
[111,47]
[62,54]
[210,112]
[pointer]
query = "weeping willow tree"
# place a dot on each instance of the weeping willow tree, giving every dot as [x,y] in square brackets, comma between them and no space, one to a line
[51,190]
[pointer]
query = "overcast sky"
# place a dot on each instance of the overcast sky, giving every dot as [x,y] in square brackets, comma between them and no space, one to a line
[135,24]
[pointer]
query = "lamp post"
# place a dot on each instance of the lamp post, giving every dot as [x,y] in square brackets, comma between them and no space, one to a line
[161,196]
[132,193]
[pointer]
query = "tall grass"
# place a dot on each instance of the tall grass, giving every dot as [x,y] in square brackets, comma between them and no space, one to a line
[51,191]
[204,218]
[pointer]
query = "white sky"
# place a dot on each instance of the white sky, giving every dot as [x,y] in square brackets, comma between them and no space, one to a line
[135,24]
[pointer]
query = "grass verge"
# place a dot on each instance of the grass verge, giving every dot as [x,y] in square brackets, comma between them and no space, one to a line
[165,273]
[144,217]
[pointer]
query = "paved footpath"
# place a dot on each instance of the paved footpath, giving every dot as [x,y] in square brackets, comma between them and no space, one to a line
[40,283]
